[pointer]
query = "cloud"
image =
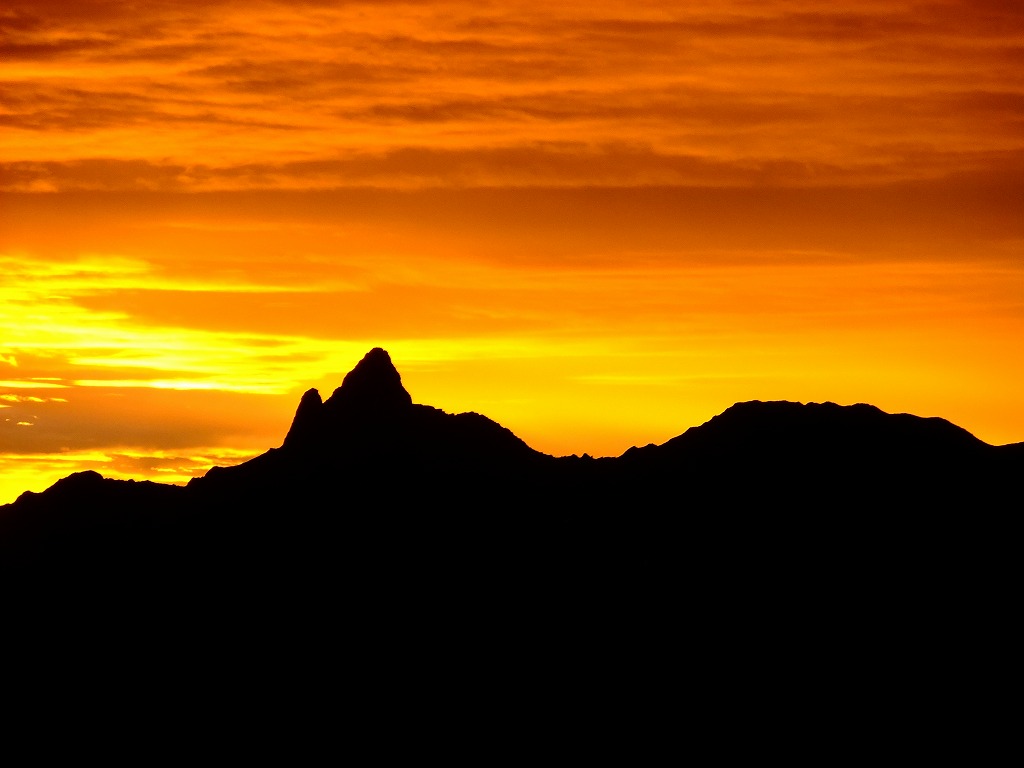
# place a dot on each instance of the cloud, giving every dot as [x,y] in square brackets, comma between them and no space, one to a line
[101,417]
[48,321]
[31,107]
[543,164]
[455,93]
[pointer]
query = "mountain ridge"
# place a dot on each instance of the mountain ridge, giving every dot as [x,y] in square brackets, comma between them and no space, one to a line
[769,540]
[370,450]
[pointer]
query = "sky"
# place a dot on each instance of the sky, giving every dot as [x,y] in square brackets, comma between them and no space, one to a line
[599,223]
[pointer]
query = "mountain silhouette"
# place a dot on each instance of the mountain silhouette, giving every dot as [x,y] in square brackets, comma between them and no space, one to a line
[371,416]
[389,546]
[369,476]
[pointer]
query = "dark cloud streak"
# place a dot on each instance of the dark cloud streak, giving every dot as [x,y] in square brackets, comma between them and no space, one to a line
[555,164]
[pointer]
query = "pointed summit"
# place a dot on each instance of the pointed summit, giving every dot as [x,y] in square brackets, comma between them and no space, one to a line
[307,423]
[370,396]
[373,385]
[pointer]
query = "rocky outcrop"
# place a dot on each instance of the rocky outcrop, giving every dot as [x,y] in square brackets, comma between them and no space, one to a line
[307,425]
[374,386]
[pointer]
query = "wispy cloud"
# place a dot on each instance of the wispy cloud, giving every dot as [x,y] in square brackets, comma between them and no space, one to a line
[349,94]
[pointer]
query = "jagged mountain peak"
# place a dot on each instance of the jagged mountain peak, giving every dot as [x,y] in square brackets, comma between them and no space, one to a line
[369,460]
[374,384]
[371,390]
[306,422]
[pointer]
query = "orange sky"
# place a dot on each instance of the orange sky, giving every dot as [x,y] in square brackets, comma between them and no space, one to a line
[598,223]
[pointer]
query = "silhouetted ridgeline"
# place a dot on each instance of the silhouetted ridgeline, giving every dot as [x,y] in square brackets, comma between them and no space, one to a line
[392,553]
[368,476]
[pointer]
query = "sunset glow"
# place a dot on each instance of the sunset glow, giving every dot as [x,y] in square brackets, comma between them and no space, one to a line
[597,223]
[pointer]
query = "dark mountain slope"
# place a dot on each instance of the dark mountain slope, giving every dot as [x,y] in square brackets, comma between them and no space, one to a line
[828,456]
[768,430]
[369,474]
[388,548]
[368,443]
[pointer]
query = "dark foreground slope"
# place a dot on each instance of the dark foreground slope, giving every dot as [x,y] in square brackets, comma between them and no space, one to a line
[368,479]
[777,572]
